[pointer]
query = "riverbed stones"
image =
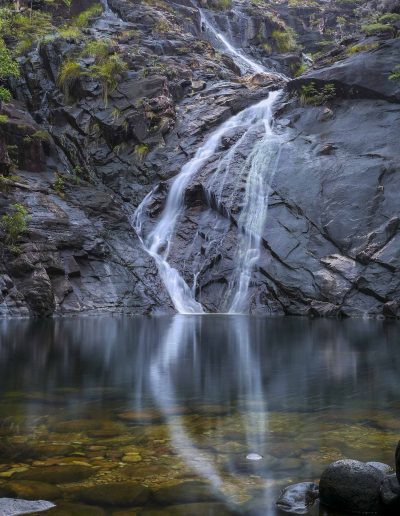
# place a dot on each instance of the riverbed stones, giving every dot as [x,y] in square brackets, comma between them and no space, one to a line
[75,509]
[118,494]
[32,490]
[192,509]
[297,498]
[351,486]
[57,474]
[186,492]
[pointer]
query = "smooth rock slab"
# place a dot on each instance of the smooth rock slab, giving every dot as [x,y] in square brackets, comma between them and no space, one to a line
[13,507]
[297,498]
[351,486]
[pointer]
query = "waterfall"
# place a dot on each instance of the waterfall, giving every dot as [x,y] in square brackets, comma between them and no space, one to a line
[245,64]
[258,172]
[261,163]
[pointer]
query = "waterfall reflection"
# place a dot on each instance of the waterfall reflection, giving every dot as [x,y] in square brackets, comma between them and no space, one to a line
[199,394]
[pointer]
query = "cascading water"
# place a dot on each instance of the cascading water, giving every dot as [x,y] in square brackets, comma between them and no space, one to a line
[245,64]
[258,172]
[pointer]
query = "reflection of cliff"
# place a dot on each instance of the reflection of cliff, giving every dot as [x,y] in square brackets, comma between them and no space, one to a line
[318,362]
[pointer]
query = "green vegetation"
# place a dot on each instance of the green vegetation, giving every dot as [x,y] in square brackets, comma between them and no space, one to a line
[311,95]
[41,135]
[107,72]
[302,3]
[24,29]
[5,95]
[361,47]
[377,28]
[84,18]
[389,18]
[301,69]
[59,184]
[69,32]
[395,75]
[142,150]
[15,224]
[223,5]
[98,49]
[73,30]
[285,40]
[69,74]
[8,67]
[3,119]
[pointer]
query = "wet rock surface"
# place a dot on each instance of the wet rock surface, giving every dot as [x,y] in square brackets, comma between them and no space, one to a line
[330,245]
[351,486]
[297,499]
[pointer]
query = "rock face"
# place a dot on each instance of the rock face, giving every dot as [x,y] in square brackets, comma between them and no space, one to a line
[351,486]
[83,165]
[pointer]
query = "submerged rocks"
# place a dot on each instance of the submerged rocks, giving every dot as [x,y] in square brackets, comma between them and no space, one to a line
[56,474]
[352,486]
[121,494]
[297,498]
[186,492]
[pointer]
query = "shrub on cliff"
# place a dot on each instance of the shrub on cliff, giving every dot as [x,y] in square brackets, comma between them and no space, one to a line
[15,224]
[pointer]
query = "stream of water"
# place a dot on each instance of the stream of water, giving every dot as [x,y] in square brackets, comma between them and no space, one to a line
[258,172]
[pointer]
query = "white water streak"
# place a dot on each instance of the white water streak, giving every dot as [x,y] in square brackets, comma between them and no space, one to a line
[158,243]
[261,166]
[244,62]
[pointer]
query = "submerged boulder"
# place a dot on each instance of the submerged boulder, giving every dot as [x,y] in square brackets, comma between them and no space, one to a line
[297,498]
[351,486]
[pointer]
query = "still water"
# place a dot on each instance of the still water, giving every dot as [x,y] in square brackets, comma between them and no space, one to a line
[159,416]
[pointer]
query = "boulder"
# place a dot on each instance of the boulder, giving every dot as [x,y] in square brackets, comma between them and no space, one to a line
[351,486]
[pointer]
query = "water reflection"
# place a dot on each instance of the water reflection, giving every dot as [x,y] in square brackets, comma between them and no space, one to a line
[207,391]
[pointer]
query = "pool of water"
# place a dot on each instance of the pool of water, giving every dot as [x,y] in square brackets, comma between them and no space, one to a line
[134,415]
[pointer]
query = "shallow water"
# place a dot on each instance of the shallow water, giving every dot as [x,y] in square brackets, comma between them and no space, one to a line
[170,400]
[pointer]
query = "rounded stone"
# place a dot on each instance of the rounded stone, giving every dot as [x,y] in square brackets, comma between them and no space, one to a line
[297,498]
[32,490]
[351,486]
[120,494]
[56,474]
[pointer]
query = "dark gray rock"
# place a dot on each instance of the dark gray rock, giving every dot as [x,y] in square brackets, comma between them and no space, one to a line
[350,78]
[390,494]
[351,486]
[297,498]
[397,459]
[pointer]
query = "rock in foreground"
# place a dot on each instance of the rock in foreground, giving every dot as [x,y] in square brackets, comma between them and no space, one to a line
[13,507]
[351,486]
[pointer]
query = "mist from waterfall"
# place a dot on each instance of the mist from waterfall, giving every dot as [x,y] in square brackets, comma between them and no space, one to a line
[257,172]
